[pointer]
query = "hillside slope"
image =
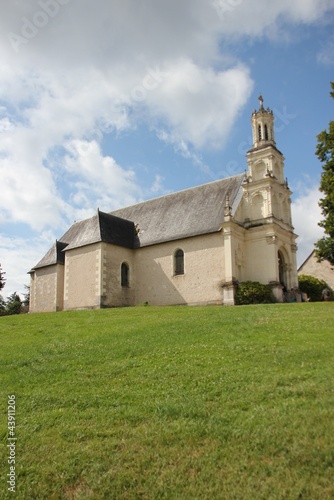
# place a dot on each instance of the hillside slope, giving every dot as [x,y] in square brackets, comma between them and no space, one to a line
[173,402]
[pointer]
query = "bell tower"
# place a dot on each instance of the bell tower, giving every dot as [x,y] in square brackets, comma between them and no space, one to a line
[264,159]
[266,212]
[263,126]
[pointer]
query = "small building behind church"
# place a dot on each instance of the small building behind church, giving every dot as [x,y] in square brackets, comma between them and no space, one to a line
[189,247]
[323,270]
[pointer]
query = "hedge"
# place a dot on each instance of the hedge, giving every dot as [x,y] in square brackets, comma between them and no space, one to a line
[253,292]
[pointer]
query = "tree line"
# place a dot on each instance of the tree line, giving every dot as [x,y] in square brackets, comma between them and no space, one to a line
[13,304]
[325,152]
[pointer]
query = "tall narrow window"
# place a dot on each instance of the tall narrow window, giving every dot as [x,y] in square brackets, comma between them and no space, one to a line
[266,136]
[281,268]
[125,275]
[260,133]
[179,262]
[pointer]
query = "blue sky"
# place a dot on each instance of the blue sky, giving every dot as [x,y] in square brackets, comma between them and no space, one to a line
[107,103]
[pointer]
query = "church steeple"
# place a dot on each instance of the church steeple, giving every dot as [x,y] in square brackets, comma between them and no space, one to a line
[263,126]
[264,160]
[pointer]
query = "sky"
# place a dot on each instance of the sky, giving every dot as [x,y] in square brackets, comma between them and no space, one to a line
[105,103]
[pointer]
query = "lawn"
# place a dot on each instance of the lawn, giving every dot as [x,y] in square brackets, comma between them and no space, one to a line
[170,403]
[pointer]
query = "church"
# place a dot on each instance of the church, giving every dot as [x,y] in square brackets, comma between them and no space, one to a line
[190,247]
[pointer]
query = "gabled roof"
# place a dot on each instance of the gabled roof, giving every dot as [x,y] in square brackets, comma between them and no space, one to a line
[101,227]
[192,212]
[306,260]
[54,256]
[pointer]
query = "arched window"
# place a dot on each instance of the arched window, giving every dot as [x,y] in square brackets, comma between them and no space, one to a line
[266,136]
[260,133]
[179,262]
[124,275]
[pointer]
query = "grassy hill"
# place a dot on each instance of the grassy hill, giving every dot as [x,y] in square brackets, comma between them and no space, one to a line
[172,402]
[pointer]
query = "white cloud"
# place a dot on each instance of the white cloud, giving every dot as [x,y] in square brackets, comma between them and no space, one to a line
[306,214]
[18,256]
[208,102]
[257,18]
[79,69]
[29,196]
[326,54]
[111,188]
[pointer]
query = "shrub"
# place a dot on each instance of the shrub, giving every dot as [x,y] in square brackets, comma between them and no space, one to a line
[14,304]
[313,287]
[253,292]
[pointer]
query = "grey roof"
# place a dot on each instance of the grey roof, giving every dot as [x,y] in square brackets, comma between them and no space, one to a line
[187,213]
[101,227]
[192,212]
[54,256]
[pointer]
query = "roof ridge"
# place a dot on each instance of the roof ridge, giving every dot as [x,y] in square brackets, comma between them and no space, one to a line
[193,188]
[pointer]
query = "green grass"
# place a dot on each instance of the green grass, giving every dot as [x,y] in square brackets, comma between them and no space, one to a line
[171,403]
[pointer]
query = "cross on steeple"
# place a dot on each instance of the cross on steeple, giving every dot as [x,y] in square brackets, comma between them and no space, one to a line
[261,102]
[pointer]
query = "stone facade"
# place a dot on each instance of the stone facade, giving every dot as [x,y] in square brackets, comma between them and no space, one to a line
[323,270]
[82,283]
[47,289]
[201,283]
[190,247]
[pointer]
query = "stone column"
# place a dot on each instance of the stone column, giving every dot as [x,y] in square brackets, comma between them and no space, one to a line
[229,285]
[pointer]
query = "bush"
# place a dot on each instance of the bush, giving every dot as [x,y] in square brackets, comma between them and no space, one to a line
[253,292]
[313,287]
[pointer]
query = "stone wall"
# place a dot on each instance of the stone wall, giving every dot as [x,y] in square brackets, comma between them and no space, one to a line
[201,283]
[113,293]
[82,283]
[321,270]
[45,289]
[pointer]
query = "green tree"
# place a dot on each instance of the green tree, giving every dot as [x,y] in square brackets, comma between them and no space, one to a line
[14,304]
[325,153]
[2,278]
[2,284]
[26,300]
[2,306]
[313,287]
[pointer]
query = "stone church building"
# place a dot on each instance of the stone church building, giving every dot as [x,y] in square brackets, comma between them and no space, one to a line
[189,247]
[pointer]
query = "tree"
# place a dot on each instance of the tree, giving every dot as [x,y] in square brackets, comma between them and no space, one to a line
[325,153]
[26,300]
[2,278]
[2,307]
[14,304]
[313,287]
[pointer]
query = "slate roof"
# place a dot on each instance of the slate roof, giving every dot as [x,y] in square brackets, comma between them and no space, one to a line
[192,212]
[101,227]
[54,256]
